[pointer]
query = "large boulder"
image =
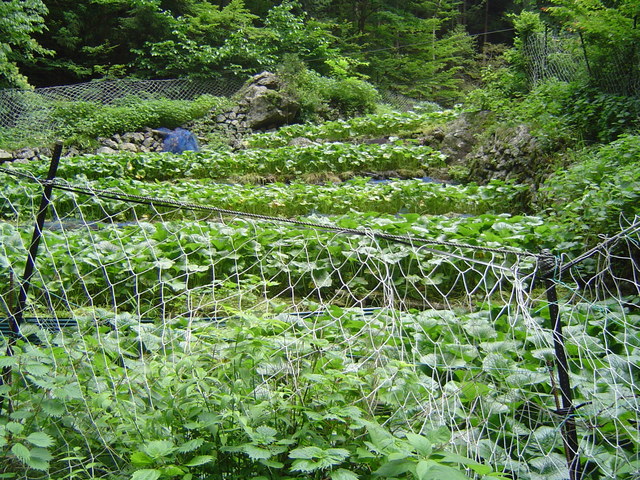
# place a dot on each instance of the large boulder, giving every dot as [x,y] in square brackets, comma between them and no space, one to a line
[265,102]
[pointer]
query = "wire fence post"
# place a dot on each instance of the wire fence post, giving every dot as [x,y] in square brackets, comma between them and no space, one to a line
[547,266]
[15,318]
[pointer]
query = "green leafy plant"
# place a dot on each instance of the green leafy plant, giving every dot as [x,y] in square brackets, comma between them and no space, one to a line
[602,117]
[599,189]
[373,125]
[283,162]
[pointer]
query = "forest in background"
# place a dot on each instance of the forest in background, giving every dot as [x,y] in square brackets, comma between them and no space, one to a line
[429,49]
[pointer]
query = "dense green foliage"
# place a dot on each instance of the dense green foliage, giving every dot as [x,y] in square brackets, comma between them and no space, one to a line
[415,47]
[147,390]
[130,114]
[601,117]
[224,427]
[187,261]
[369,126]
[330,158]
[19,21]
[600,191]
[231,405]
[82,122]
[299,198]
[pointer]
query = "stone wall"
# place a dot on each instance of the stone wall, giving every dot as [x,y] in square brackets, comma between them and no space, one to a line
[136,142]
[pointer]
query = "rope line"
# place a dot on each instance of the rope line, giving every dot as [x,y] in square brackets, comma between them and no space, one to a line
[405,239]
[154,201]
[589,253]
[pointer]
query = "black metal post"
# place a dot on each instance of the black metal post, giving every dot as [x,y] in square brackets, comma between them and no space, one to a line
[569,434]
[586,57]
[16,319]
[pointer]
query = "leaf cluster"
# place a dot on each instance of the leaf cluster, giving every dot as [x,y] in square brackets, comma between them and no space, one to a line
[372,125]
[289,161]
[217,400]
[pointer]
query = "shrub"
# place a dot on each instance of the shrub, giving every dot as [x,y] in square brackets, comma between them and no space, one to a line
[352,96]
[602,117]
[326,98]
[90,119]
[600,187]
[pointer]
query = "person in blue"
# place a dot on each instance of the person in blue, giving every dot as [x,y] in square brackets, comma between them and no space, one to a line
[178,140]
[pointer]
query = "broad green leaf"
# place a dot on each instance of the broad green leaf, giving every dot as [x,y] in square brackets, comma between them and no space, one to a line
[395,468]
[37,369]
[38,464]
[172,471]
[53,407]
[271,463]
[255,452]
[159,448]
[70,392]
[164,264]
[40,439]
[14,427]
[7,361]
[439,436]
[21,452]
[468,462]
[41,454]
[421,444]
[304,465]
[422,468]
[337,453]
[266,431]
[141,459]
[199,460]
[190,445]
[146,474]
[306,452]
[430,470]
[343,474]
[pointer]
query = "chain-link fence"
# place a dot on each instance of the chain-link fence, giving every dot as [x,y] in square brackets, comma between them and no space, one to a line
[568,57]
[30,111]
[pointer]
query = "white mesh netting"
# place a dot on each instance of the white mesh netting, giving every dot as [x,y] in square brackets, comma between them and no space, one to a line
[164,340]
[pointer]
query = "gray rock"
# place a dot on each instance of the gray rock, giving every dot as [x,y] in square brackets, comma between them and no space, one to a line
[266,105]
[106,150]
[25,153]
[110,143]
[300,142]
[4,156]
[129,147]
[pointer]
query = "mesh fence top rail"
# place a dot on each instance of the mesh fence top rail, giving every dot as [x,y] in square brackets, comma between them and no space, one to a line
[155,324]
